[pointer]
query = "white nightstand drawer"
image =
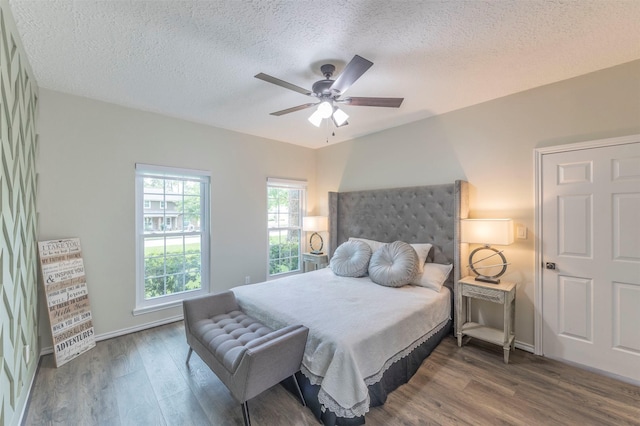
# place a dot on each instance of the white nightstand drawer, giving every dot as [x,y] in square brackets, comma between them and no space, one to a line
[483,293]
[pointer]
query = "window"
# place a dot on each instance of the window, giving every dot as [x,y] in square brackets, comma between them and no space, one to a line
[171,259]
[147,204]
[285,207]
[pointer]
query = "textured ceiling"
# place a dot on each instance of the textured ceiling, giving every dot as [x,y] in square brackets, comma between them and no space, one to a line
[196,59]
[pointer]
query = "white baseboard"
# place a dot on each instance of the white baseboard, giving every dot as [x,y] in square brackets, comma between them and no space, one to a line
[122,332]
[525,346]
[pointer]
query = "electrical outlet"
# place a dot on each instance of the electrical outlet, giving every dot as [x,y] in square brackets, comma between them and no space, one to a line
[247,279]
[27,353]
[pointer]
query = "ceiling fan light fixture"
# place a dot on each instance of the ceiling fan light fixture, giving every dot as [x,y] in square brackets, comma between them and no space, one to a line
[340,116]
[327,92]
[325,109]
[315,118]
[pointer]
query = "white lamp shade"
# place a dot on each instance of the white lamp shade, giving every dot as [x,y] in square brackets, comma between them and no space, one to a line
[487,231]
[315,119]
[315,223]
[340,116]
[325,109]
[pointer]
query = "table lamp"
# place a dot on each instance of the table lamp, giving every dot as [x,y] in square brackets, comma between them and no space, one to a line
[315,224]
[482,261]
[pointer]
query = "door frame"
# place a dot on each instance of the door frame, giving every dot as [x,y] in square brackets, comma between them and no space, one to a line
[539,154]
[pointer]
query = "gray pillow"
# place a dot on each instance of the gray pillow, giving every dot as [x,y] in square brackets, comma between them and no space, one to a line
[351,259]
[393,265]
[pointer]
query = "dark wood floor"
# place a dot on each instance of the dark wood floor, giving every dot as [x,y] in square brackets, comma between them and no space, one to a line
[142,379]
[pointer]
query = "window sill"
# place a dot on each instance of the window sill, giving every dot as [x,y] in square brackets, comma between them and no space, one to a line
[154,308]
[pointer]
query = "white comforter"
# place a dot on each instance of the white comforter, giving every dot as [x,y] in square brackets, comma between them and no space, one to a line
[357,328]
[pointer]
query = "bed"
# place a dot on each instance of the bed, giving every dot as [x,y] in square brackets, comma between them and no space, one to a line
[365,340]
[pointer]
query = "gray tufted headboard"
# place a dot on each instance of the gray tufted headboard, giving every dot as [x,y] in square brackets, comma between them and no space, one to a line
[421,214]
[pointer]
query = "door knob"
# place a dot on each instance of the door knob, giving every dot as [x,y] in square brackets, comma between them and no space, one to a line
[550,265]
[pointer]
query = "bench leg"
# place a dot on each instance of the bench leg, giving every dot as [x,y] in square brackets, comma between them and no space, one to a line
[245,414]
[189,355]
[304,403]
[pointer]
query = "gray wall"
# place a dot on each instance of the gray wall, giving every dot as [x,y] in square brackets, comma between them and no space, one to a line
[491,145]
[88,151]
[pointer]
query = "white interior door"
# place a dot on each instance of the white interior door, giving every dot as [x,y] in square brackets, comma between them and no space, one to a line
[591,232]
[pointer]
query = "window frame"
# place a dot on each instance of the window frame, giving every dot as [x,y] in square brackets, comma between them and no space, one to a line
[287,184]
[143,171]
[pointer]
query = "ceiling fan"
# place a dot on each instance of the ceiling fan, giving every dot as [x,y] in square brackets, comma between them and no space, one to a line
[328,93]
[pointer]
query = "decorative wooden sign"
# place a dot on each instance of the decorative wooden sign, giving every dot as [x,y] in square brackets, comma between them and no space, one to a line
[65,287]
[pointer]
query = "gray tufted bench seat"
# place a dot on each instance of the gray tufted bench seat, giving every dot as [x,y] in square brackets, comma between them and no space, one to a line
[247,356]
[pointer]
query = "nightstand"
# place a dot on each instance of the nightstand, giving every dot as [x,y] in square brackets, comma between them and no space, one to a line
[504,293]
[319,260]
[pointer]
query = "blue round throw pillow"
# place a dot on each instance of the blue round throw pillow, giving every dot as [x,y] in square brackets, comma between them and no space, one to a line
[351,259]
[393,265]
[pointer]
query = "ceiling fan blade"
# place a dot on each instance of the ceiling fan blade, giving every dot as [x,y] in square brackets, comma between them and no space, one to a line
[292,109]
[377,102]
[346,123]
[282,83]
[351,73]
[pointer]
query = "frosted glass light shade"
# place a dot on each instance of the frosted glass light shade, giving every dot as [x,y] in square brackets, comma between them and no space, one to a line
[325,109]
[487,231]
[315,119]
[340,116]
[315,223]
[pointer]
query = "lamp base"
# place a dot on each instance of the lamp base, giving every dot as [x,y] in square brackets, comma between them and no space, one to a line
[478,265]
[313,246]
[489,280]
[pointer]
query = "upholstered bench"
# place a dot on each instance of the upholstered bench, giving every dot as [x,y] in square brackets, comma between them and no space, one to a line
[247,356]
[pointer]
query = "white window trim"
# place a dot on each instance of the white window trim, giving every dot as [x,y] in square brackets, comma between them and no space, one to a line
[165,302]
[288,184]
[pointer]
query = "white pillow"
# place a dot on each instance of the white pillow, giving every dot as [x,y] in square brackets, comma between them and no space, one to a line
[393,265]
[422,250]
[375,245]
[351,259]
[434,276]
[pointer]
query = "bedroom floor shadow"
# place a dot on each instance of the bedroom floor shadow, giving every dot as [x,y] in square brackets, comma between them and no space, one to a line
[142,379]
